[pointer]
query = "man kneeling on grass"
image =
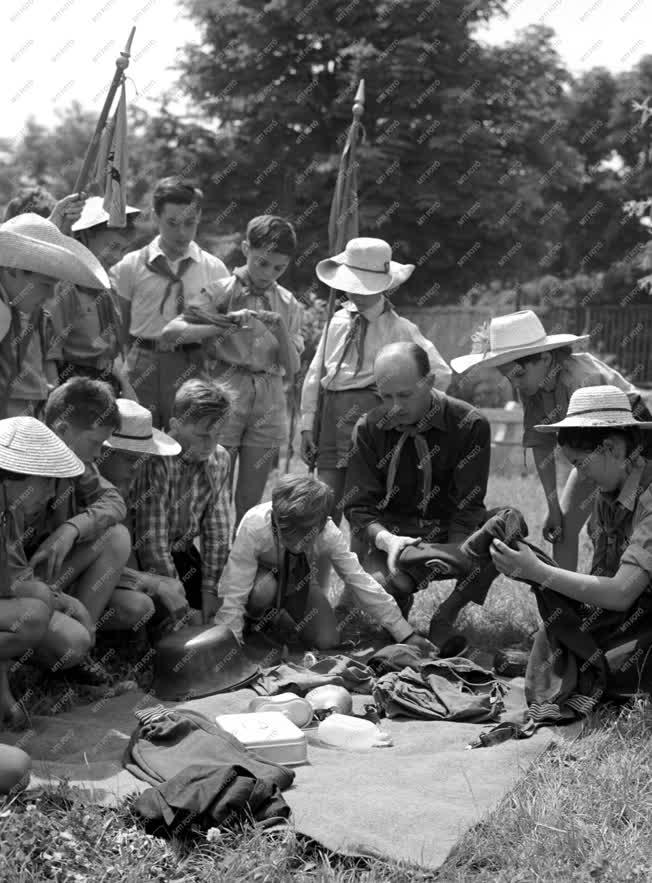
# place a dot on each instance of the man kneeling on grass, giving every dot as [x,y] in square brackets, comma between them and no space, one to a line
[596,636]
[277,574]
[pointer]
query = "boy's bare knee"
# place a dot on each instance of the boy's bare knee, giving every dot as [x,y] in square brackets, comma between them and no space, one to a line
[74,643]
[118,542]
[127,610]
[15,765]
[34,621]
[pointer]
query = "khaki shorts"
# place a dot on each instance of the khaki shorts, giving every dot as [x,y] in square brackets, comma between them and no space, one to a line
[259,415]
[342,410]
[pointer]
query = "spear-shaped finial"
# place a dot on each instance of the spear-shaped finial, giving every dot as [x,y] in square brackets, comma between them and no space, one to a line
[358,101]
[123,61]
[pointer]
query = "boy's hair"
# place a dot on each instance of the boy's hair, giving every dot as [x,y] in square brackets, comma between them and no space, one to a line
[301,501]
[177,191]
[31,199]
[84,403]
[199,398]
[273,233]
[591,438]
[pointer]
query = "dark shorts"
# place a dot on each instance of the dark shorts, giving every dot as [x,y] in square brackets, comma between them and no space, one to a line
[341,412]
[188,564]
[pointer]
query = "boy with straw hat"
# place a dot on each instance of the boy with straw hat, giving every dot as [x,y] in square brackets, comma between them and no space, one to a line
[34,254]
[122,463]
[85,327]
[596,637]
[34,463]
[545,372]
[358,331]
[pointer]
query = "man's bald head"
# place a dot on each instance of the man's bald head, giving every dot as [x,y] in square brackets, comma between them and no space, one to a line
[404,357]
[404,379]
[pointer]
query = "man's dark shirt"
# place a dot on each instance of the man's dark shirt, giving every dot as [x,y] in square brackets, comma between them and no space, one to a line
[458,439]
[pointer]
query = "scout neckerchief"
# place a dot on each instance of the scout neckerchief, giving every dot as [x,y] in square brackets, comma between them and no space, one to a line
[356,335]
[160,266]
[293,573]
[248,287]
[416,433]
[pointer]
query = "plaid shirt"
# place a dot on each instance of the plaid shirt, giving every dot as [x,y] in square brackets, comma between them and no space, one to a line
[192,500]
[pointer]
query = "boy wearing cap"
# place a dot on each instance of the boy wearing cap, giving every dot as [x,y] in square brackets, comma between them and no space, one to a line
[278,572]
[596,636]
[347,349]
[85,326]
[34,254]
[257,354]
[122,463]
[157,283]
[196,505]
[545,372]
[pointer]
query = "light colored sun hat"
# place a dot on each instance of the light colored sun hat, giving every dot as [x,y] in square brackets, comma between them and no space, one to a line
[94,213]
[364,267]
[28,447]
[597,407]
[512,337]
[29,242]
[136,433]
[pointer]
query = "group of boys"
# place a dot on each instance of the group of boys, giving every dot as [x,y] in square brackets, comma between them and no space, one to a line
[155,381]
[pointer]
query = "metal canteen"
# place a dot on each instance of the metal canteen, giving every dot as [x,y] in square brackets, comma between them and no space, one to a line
[197,661]
[330,697]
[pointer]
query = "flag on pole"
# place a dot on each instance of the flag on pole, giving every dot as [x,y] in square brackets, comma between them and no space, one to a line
[115,183]
[343,225]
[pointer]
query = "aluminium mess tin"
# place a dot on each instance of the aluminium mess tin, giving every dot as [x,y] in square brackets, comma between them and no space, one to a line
[270,734]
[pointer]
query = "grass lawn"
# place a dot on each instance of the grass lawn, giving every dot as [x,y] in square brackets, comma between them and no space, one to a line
[582,813]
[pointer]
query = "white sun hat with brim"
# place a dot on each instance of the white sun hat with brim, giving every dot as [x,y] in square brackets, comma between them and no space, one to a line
[94,213]
[137,435]
[364,267]
[30,242]
[512,337]
[597,407]
[28,447]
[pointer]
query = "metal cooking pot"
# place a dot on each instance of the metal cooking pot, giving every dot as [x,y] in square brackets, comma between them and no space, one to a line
[198,661]
[330,698]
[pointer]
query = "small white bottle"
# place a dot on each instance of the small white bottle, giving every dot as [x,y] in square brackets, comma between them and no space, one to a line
[354,734]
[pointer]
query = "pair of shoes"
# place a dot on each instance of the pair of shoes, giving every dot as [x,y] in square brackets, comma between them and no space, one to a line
[450,641]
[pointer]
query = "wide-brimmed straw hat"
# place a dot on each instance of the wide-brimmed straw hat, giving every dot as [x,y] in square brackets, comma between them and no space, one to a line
[29,242]
[136,433]
[512,337]
[364,267]
[597,407]
[94,213]
[28,447]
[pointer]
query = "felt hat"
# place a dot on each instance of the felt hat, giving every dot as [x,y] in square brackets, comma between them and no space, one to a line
[136,433]
[198,661]
[94,213]
[29,242]
[511,337]
[28,447]
[597,407]
[364,267]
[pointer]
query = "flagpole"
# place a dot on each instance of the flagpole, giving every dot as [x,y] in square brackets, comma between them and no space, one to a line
[121,64]
[337,245]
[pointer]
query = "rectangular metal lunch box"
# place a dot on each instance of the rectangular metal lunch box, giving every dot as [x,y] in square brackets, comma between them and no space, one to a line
[270,734]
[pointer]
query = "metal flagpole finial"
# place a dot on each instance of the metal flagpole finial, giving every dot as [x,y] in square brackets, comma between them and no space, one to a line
[358,101]
[123,61]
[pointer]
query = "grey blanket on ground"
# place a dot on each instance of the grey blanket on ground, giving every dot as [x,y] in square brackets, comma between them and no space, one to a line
[411,802]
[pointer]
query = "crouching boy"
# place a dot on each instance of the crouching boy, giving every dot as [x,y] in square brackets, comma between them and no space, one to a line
[278,571]
[596,638]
